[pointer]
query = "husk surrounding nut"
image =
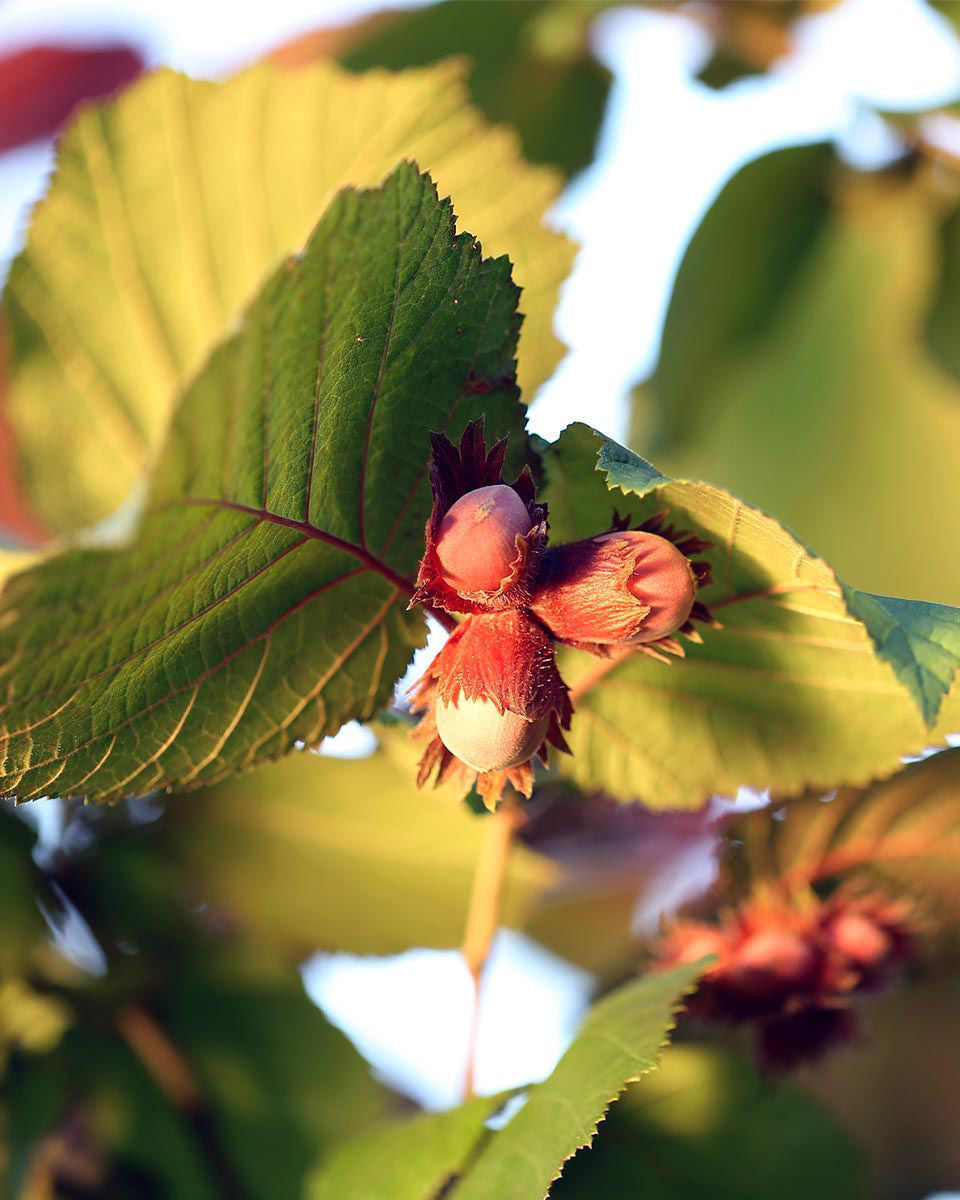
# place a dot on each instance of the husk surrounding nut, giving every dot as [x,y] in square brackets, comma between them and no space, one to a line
[624,588]
[506,662]
[481,538]
[454,474]
[793,967]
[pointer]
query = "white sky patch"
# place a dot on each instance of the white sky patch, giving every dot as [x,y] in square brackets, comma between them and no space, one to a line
[352,740]
[72,936]
[669,145]
[410,1015]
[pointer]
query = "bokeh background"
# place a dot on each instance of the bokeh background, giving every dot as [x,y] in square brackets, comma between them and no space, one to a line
[767,201]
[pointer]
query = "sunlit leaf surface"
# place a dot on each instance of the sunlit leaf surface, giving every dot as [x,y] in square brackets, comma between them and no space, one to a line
[168,209]
[800,687]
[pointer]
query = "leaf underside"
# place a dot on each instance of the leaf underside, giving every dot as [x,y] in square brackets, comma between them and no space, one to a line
[172,204]
[904,830]
[262,599]
[799,688]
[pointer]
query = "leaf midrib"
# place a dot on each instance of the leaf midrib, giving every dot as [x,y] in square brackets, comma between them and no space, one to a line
[195,684]
[309,531]
[305,527]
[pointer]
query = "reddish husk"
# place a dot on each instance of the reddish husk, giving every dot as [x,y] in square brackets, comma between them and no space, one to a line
[793,969]
[453,474]
[625,588]
[505,659]
[494,692]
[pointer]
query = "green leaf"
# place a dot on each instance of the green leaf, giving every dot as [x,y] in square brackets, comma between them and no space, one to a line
[833,415]
[706,1125]
[280,1081]
[278,850]
[170,206]
[620,1041]
[943,317]
[22,921]
[735,275]
[453,1155]
[262,599]
[531,66]
[800,687]
[414,1159]
[920,641]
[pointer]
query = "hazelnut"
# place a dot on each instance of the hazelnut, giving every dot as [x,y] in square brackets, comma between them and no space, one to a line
[492,699]
[485,739]
[477,540]
[484,538]
[860,940]
[772,961]
[630,586]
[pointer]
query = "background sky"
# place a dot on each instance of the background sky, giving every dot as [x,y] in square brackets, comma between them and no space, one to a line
[667,146]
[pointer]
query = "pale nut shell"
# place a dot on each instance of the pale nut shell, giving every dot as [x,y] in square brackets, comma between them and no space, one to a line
[477,539]
[485,739]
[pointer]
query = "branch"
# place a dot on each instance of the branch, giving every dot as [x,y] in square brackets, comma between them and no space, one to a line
[484,911]
[174,1077]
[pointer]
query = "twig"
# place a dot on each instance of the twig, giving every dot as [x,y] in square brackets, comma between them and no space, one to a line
[484,910]
[599,670]
[173,1076]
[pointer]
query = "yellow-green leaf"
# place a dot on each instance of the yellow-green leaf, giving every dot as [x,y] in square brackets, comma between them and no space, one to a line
[169,207]
[800,687]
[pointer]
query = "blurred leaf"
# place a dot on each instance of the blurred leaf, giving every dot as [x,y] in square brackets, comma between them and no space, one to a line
[453,1155]
[416,1159]
[904,829]
[21,919]
[41,85]
[838,385]
[282,1084]
[946,8]
[619,1042]
[795,690]
[171,205]
[229,1084]
[735,276]
[263,597]
[342,854]
[705,1125]
[895,1090]
[621,866]
[530,66]
[750,37]
[91,1113]
[16,520]
[943,317]
[29,1020]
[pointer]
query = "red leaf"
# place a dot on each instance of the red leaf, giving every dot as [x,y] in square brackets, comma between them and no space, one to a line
[41,85]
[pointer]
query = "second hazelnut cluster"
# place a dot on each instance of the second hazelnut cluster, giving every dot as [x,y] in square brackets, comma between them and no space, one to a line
[493,698]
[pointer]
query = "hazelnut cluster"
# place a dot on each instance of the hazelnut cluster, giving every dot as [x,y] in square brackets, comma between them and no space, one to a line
[792,969]
[493,698]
